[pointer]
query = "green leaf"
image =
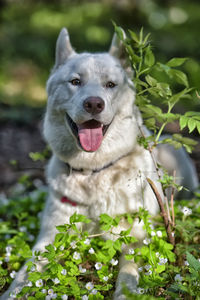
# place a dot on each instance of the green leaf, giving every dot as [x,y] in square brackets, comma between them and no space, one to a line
[183,122]
[193,262]
[179,76]
[176,62]
[149,58]
[134,36]
[151,81]
[191,125]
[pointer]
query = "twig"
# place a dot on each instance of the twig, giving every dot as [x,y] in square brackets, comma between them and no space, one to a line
[172,200]
[163,212]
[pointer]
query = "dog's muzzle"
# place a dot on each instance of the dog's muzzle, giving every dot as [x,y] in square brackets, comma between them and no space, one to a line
[90,133]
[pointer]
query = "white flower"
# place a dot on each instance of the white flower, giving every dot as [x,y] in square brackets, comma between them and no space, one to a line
[39,283]
[140,269]
[8,254]
[62,248]
[186,263]
[153,233]
[50,292]
[56,280]
[30,284]
[64,272]
[31,237]
[89,286]
[140,290]
[54,296]
[23,229]
[162,261]
[84,297]
[44,291]
[147,267]
[131,251]
[159,233]
[146,241]
[91,251]
[33,268]
[55,248]
[7,258]
[151,226]
[32,225]
[114,262]
[8,249]
[48,297]
[76,255]
[94,292]
[73,244]
[87,242]
[186,211]
[178,277]
[1,262]
[157,254]
[148,273]
[82,270]
[64,297]
[105,278]
[13,274]
[98,266]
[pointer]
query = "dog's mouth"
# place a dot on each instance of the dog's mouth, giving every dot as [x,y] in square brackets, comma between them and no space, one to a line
[89,134]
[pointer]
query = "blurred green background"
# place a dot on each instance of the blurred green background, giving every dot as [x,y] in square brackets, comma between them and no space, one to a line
[29,30]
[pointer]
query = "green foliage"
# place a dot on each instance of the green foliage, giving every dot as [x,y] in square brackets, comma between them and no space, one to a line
[150,90]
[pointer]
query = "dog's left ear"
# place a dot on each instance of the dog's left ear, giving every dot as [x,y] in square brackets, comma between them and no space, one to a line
[118,50]
[63,48]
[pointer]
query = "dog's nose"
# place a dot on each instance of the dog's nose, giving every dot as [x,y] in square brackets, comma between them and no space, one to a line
[94,105]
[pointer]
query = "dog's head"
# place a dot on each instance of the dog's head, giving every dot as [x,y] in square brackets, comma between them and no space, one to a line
[90,99]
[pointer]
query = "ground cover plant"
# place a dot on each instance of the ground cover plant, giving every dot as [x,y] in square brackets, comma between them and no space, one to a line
[84,266]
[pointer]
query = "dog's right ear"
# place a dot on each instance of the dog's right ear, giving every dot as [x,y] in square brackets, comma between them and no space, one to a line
[63,48]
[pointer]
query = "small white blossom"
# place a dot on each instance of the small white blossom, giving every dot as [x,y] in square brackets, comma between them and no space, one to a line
[105,278]
[1,262]
[48,297]
[151,226]
[147,267]
[33,268]
[54,296]
[157,254]
[13,274]
[64,297]
[186,211]
[8,249]
[32,225]
[30,284]
[64,272]
[148,273]
[162,261]
[91,251]
[153,233]
[55,248]
[62,248]
[44,291]
[178,277]
[89,286]
[140,290]
[146,241]
[56,280]
[23,229]
[114,262]
[84,297]
[7,258]
[39,283]
[50,292]
[76,255]
[87,242]
[140,269]
[159,233]
[98,266]
[31,237]
[82,270]
[186,263]
[73,244]
[131,251]
[8,254]
[94,292]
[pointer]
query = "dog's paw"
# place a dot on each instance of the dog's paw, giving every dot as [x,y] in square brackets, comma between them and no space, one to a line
[127,281]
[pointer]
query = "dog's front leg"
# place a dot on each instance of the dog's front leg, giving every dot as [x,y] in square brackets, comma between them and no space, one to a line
[128,276]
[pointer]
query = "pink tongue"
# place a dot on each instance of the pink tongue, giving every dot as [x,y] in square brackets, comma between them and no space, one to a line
[90,135]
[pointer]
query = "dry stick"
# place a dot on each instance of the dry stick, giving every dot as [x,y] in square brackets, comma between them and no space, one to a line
[163,212]
[172,200]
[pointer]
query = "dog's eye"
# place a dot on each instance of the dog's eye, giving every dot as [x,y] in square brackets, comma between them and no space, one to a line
[110,84]
[75,81]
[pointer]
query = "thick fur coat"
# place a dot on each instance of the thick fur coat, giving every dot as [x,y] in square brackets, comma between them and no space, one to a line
[91,125]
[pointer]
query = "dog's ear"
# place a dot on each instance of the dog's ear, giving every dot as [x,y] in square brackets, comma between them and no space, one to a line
[63,48]
[117,49]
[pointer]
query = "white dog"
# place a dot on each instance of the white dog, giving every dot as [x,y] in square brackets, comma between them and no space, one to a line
[91,125]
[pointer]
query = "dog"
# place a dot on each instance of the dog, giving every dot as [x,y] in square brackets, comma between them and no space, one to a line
[92,124]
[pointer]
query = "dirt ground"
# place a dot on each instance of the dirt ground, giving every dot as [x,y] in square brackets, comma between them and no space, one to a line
[17,140]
